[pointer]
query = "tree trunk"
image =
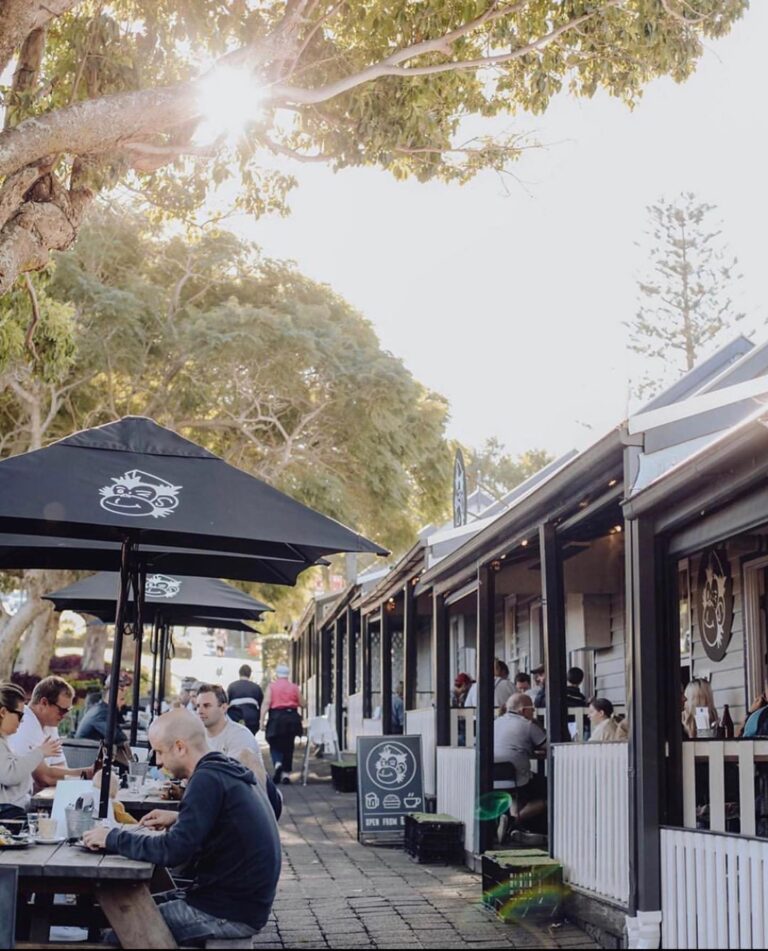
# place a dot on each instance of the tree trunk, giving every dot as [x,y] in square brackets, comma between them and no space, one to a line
[12,628]
[39,643]
[95,644]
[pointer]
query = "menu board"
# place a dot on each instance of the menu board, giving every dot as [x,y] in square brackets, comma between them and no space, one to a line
[390,784]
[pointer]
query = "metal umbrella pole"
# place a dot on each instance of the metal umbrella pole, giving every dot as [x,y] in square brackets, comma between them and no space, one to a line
[114,678]
[166,653]
[139,586]
[154,641]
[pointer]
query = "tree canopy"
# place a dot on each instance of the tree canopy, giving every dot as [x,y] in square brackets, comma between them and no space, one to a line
[116,93]
[494,470]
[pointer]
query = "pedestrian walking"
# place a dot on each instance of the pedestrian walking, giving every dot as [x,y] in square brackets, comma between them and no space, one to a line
[283,703]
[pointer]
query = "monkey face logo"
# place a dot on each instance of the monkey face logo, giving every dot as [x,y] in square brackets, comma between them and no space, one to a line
[162,586]
[138,493]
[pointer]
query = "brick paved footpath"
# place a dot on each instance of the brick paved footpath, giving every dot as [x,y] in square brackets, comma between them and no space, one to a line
[336,893]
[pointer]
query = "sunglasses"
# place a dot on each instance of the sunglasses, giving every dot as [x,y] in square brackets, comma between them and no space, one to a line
[62,710]
[19,714]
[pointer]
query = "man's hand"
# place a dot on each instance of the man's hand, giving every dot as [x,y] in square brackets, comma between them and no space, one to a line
[159,819]
[96,838]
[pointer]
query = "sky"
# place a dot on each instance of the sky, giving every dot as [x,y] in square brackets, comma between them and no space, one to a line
[509,299]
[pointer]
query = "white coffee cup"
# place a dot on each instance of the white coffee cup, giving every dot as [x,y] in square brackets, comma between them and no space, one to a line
[47,827]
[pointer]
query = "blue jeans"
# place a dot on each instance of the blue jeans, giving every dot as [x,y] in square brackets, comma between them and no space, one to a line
[189,925]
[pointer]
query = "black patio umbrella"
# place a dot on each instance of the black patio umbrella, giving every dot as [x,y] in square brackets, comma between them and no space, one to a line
[46,551]
[136,482]
[168,600]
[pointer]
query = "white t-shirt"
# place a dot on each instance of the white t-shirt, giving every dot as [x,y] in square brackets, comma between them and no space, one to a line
[502,691]
[31,734]
[233,739]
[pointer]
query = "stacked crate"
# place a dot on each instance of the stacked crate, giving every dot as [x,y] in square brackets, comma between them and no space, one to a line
[344,776]
[522,883]
[433,838]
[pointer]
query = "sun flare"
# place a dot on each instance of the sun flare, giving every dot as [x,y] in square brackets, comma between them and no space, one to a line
[228,98]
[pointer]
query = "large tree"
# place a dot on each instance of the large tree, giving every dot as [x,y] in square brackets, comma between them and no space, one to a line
[245,355]
[685,292]
[106,93]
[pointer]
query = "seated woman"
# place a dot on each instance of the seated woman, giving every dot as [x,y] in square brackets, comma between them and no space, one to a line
[606,726]
[698,695]
[15,771]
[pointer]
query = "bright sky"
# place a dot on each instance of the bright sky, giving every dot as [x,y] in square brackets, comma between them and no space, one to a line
[511,304]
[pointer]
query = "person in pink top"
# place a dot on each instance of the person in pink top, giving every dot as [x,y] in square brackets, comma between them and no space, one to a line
[282,706]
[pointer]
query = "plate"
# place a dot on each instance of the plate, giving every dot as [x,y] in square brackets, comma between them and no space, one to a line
[54,841]
[21,844]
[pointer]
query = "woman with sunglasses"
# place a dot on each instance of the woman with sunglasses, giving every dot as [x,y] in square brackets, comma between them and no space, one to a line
[16,771]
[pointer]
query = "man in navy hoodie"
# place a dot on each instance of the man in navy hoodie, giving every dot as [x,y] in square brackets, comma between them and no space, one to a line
[225,827]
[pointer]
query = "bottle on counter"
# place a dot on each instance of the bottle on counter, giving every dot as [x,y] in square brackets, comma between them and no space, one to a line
[726,723]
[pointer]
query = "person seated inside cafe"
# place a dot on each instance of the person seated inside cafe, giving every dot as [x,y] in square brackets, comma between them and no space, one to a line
[93,725]
[51,701]
[502,687]
[16,770]
[575,678]
[517,738]
[605,725]
[225,828]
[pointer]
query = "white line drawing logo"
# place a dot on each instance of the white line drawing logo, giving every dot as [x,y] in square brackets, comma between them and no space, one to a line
[138,493]
[162,586]
[391,765]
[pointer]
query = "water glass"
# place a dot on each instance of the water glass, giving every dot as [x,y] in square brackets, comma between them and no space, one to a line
[134,783]
[32,823]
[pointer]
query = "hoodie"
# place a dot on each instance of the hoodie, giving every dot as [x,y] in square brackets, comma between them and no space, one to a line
[227,829]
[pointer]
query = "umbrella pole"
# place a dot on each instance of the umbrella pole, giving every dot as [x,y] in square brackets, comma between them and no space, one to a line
[139,582]
[163,650]
[153,646]
[114,678]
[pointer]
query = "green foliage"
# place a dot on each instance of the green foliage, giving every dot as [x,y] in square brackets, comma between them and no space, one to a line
[685,294]
[409,124]
[497,472]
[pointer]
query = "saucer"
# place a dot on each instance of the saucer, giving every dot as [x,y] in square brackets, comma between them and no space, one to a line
[54,841]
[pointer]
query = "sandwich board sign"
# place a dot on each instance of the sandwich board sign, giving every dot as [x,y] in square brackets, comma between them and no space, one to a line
[390,784]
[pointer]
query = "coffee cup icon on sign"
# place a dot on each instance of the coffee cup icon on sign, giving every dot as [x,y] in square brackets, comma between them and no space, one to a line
[411,801]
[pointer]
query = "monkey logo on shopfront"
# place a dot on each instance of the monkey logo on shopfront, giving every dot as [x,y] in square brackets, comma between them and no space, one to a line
[715,603]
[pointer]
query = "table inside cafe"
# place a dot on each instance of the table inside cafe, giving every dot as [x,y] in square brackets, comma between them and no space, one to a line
[120,887]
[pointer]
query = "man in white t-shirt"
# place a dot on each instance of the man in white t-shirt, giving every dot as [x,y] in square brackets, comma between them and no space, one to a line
[502,687]
[224,735]
[51,701]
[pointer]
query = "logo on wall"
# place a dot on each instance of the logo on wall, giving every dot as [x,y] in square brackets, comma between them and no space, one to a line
[140,493]
[715,603]
[162,586]
[459,490]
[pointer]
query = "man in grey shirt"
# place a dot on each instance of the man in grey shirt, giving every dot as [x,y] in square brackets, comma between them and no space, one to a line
[516,739]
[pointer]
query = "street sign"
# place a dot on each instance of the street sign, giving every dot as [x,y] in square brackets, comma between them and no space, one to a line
[390,784]
[459,490]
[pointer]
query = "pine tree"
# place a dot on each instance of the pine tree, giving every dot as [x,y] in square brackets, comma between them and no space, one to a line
[686,294]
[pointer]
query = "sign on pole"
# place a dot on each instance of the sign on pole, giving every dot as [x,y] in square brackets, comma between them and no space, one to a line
[390,784]
[459,490]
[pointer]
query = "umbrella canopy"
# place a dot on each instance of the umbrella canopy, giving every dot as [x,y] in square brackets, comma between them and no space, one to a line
[166,597]
[136,480]
[47,551]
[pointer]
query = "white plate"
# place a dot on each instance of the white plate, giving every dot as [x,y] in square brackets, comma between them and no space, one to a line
[54,841]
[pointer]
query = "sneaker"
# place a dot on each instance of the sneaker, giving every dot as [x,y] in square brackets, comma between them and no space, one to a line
[503,828]
[278,776]
[286,780]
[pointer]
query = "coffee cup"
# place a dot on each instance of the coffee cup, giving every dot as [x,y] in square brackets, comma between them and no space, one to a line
[47,827]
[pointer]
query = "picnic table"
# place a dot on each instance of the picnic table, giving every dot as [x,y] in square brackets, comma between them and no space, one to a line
[137,804]
[119,885]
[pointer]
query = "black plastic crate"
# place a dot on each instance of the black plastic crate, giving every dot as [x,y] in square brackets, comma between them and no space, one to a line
[437,838]
[344,777]
[523,883]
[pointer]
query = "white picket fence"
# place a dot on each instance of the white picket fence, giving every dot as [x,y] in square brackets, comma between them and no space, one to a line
[714,890]
[422,723]
[456,788]
[463,735]
[743,754]
[590,825]
[310,695]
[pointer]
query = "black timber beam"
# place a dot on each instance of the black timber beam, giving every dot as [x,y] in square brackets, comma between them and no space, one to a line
[441,671]
[365,647]
[486,582]
[385,642]
[409,647]
[338,671]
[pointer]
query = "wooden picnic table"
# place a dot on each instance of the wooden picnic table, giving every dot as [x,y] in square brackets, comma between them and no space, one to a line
[119,885]
[137,804]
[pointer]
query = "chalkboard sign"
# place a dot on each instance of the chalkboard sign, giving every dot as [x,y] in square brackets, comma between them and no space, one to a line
[9,877]
[390,784]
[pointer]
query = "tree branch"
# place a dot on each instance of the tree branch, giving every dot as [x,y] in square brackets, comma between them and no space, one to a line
[29,335]
[18,18]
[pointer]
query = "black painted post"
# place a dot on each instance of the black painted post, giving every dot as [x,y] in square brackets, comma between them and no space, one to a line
[486,643]
[139,585]
[326,669]
[386,668]
[441,671]
[338,669]
[365,646]
[409,647]
[645,656]
[351,629]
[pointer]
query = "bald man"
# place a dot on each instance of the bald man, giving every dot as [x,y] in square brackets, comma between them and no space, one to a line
[516,739]
[225,824]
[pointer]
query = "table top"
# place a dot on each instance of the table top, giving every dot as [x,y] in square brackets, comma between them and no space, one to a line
[146,799]
[70,861]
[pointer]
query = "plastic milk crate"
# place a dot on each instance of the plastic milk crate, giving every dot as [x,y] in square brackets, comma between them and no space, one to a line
[435,838]
[344,776]
[524,883]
